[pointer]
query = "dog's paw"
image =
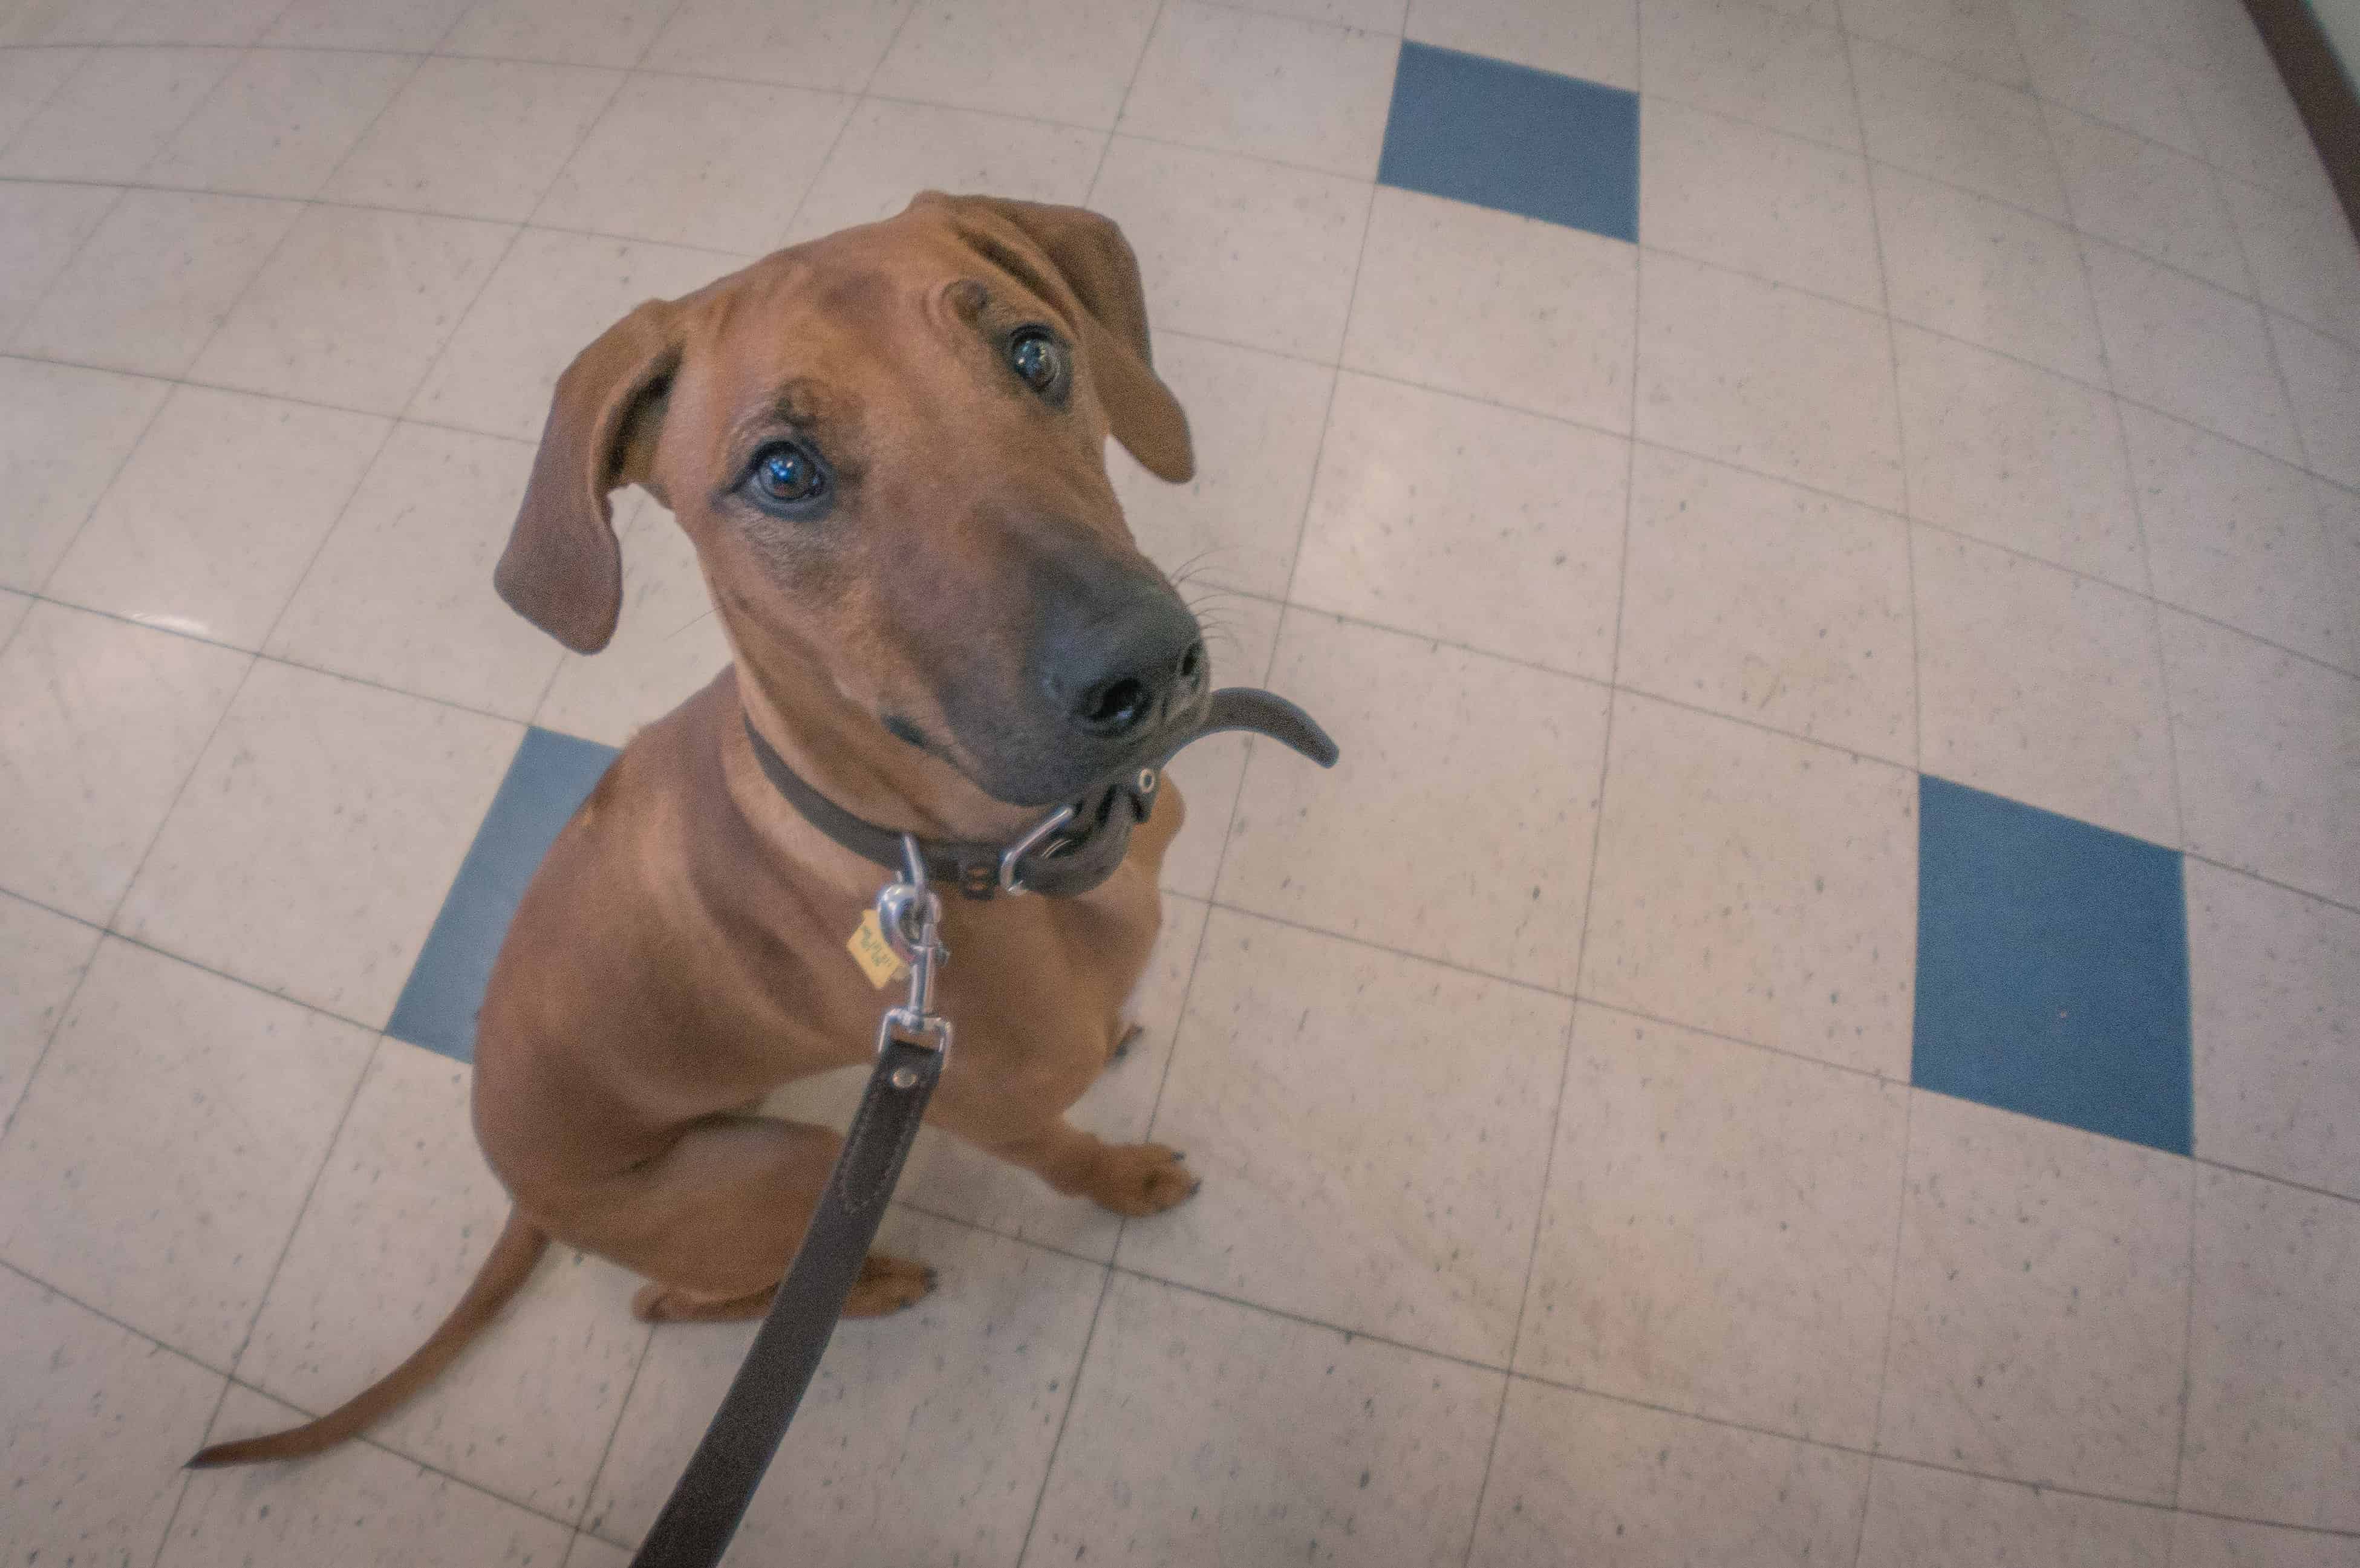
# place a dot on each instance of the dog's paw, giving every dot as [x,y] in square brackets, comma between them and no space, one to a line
[1143,1178]
[887,1285]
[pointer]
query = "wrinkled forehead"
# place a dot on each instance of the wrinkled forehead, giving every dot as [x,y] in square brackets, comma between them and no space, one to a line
[828,334]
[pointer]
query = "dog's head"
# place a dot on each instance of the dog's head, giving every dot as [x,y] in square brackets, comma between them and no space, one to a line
[887,447]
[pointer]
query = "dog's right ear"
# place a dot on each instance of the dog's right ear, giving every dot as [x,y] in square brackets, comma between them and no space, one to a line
[562,569]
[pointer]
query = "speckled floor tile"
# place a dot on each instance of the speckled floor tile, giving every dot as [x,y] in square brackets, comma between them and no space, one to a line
[100,723]
[986,54]
[2041,1302]
[2274,1371]
[403,1215]
[81,1398]
[1485,526]
[1581,1479]
[2015,456]
[358,1505]
[317,837]
[1257,420]
[1397,1198]
[2274,982]
[1772,379]
[1759,887]
[1426,728]
[2042,686]
[1205,1433]
[1921,1517]
[212,523]
[42,957]
[960,1397]
[156,1164]
[2239,537]
[1250,253]
[1719,1230]
[665,162]
[64,433]
[1496,306]
[1770,603]
[2269,757]
[401,593]
[352,307]
[1275,87]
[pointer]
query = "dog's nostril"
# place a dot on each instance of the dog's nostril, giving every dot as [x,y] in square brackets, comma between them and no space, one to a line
[1191,666]
[1117,707]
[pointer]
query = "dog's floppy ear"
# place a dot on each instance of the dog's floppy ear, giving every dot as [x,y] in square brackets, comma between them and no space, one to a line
[562,569]
[1095,262]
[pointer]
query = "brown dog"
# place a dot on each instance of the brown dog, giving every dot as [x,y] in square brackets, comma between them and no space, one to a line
[887,447]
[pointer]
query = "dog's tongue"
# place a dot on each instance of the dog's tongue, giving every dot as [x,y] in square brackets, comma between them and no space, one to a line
[1105,816]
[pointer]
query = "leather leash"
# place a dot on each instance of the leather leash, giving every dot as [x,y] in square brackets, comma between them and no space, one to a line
[1070,851]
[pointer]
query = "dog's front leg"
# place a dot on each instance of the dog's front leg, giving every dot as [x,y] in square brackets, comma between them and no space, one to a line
[1127,1177]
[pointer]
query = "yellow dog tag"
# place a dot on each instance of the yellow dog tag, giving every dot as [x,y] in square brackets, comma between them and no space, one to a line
[873,954]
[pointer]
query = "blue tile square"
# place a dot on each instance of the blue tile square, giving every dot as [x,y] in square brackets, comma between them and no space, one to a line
[1521,140]
[552,775]
[2052,968]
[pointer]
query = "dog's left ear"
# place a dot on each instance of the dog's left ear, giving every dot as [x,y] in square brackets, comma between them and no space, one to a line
[562,569]
[1095,262]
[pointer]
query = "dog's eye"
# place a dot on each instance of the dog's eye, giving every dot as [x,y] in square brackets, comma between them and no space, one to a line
[785,473]
[1036,356]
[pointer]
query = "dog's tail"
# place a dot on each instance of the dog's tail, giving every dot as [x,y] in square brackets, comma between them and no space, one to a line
[503,1274]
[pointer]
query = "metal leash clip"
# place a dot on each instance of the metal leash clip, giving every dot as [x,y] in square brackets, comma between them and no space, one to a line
[909,915]
[1012,858]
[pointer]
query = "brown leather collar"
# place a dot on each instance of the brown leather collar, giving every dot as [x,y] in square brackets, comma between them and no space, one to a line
[1071,851]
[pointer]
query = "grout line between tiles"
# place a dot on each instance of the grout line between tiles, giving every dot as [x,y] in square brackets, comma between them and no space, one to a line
[2138,510]
[1582,942]
[336,525]
[2102,386]
[431,1468]
[311,1189]
[187,635]
[1541,1379]
[1146,43]
[1073,1397]
[1918,736]
[2277,1181]
[57,1026]
[188,1479]
[33,305]
[188,776]
[1892,1314]
[2186,1345]
[107,1317]
[1477,1364]
[622,1409]
[2179,69]
[864,95]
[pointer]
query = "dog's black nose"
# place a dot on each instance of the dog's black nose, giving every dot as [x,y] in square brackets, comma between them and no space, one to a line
[1118,653]
[1152,667]
[1146,682]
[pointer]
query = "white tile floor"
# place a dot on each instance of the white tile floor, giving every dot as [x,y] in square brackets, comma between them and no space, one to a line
[1983,397]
